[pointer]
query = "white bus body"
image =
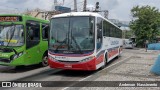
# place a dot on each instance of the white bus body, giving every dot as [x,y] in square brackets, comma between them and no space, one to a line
[128,43]
[100,43]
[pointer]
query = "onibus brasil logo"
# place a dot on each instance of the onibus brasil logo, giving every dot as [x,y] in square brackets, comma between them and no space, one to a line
[21,84]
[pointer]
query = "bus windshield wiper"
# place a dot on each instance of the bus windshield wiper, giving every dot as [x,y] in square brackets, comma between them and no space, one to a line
[11,38]
[77,44]
[11,35]
[60,44]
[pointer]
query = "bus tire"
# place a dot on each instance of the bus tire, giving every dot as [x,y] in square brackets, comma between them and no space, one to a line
[44,62]
[119,53]
[106,58]
[105,62]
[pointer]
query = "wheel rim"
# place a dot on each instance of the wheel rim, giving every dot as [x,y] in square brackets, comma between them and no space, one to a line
[45,61]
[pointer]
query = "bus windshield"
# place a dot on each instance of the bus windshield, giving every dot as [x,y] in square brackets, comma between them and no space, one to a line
[72,34]
[11,35]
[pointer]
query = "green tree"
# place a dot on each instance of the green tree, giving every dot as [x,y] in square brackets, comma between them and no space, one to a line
[145,23]
[128,34]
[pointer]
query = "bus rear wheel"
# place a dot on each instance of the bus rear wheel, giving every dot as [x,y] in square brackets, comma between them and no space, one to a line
[44,62]
[106,59]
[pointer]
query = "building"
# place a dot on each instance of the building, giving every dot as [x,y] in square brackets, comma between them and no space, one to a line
[35,13]
[41,14]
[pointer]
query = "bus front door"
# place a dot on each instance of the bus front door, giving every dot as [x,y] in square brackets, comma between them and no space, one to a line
[33,50]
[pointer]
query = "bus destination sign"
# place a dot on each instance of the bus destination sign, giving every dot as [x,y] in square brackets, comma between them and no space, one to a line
[10,18]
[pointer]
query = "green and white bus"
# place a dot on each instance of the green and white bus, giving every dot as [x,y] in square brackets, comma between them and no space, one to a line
[23,40]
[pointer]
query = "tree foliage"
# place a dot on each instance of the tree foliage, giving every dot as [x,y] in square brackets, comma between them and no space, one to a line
[145,23]
[128,34]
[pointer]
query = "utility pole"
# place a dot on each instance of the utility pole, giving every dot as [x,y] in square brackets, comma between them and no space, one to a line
[85,6]
[75,5]
[63,2]
[55,2]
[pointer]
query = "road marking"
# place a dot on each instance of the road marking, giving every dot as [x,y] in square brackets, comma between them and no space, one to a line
[65,88]
[101,70]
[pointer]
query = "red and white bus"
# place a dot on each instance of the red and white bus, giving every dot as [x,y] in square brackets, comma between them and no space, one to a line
[83,41]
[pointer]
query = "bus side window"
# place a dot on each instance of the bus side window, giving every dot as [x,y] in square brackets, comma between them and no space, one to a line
[32,34]
[99,33]
[45,30]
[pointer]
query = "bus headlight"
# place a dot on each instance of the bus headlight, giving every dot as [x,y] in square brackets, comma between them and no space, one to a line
[16,56]
[20,54]
[51,58]
[87,59]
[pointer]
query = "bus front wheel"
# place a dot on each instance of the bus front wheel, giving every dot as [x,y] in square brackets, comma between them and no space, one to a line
[105,62]
[44,62]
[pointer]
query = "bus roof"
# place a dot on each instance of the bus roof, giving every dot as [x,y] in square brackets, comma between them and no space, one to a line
[77,14]
[83,14]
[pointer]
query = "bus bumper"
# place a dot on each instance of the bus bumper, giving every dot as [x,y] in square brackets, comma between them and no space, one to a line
[10,64]
[90,65]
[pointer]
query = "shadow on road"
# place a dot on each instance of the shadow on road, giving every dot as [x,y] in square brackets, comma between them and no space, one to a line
[19,69]
[73,73]
[114,60]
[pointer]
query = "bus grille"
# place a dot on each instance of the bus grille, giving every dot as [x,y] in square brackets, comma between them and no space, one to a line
[68,61]
[4,60]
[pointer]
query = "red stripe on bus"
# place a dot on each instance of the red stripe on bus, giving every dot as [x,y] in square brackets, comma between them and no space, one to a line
[100,59]
[90,65]
[112,53]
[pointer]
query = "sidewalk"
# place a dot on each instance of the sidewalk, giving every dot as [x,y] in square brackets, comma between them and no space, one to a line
[136,68]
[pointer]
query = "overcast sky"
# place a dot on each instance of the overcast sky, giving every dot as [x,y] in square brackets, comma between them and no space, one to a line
[118,9]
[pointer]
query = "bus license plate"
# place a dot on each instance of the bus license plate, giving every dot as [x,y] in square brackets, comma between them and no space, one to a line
[68,66]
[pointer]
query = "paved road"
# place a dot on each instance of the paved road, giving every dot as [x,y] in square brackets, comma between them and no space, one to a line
[119,66]
[37,73]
